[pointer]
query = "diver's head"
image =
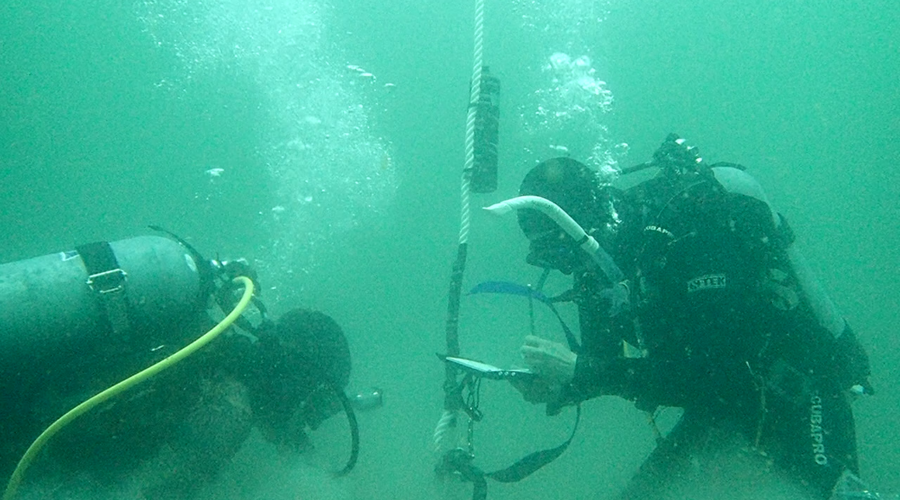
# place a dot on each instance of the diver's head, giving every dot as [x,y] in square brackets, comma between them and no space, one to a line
[574,188]
[300,366]
[318,344]
[315,343]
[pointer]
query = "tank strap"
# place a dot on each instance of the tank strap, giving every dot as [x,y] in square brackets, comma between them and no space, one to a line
[107,280]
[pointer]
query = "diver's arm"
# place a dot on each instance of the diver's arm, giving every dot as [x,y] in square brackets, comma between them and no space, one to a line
[565,378]
[596,377]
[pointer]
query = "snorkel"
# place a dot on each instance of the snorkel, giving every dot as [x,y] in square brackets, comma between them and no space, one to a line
[565,222]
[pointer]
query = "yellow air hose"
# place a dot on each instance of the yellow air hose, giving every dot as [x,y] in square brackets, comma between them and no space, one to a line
[124,385]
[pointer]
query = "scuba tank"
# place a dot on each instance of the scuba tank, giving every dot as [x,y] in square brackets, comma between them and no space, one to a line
[67,304]
[678,162]
[676,159]
[735,180]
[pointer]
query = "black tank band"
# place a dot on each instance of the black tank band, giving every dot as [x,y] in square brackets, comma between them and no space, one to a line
[107,280]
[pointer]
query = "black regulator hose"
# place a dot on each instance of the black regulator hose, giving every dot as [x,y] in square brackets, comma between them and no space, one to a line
[354,431]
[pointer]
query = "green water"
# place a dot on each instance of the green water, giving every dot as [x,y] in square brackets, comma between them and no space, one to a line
[344,191]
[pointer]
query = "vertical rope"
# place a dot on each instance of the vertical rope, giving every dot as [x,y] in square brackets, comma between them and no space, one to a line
[448,420]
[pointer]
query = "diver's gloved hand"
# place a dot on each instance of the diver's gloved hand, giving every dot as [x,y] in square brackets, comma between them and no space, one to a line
[675,155]
[551,361]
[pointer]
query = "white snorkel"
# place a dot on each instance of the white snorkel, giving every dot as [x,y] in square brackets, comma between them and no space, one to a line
[567,224]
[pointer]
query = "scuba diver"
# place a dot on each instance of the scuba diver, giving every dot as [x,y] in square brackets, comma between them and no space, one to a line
[74,323]
[694,296]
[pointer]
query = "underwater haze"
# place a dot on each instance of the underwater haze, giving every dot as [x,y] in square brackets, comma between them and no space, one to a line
[323,140]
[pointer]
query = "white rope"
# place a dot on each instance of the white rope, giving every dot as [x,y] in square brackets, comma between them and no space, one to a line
[446,425]
[470,122]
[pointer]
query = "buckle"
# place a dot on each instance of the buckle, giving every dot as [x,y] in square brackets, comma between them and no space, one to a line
[108,281]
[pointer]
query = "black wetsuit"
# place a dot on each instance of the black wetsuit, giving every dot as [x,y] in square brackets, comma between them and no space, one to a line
[719,326]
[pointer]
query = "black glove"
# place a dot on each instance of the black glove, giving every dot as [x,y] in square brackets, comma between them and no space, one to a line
[675,156]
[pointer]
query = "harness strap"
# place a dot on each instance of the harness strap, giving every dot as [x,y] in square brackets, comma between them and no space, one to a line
[534,461]
[574,346]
